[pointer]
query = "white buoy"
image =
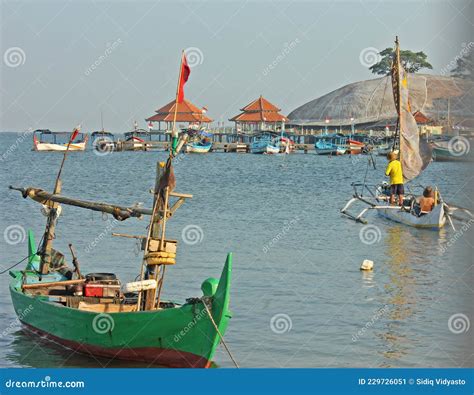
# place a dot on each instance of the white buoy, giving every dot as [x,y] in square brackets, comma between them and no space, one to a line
[367,265]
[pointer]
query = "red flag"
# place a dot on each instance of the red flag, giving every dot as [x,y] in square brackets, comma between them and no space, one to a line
[184,75]
[74,134]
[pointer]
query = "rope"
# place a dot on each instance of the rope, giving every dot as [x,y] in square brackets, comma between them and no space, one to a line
[220,335]
[24,259]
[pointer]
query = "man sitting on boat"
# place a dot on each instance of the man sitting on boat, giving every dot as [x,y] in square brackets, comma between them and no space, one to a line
[426,202]
[394,171]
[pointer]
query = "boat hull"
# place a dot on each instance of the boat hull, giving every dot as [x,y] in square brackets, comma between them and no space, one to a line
[198,148]
[441,154]
[182,336]
[436,219]
[60,147]
[264,149]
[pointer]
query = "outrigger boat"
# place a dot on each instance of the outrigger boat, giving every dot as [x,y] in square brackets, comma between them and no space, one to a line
[93,314]
[46,140]
[415,156]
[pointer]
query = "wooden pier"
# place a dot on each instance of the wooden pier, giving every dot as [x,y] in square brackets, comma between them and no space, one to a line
[226,147]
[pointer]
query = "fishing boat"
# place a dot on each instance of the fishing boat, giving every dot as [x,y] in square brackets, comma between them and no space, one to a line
[444,151]
[415,155]
[98,315]
[265,143]
[46,140]
[328,144]
[355,147]
[199,141]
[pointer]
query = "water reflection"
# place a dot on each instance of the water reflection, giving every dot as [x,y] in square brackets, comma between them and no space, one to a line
[401,292]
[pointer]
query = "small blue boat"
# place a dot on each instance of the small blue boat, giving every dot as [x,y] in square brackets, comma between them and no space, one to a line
[265,143]
[331,145]
[199,147]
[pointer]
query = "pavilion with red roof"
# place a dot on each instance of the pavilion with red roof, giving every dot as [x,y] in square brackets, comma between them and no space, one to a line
[187,112]
[259,115]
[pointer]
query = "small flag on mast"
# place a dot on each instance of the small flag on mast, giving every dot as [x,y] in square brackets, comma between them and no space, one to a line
[75,132]
[184,75]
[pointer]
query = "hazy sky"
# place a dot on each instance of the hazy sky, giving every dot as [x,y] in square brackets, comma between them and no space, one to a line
[48,48]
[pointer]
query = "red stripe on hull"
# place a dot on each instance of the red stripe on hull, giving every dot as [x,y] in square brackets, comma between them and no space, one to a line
[152,355]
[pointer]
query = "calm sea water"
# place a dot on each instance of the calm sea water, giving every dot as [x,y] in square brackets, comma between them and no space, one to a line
[298,296]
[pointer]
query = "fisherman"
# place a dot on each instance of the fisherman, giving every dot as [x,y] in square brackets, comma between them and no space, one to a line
[427,201]
[394,170]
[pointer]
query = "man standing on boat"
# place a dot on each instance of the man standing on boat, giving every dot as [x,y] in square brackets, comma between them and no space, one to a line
[394,171]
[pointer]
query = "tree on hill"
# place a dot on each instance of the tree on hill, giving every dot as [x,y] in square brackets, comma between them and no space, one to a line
[464,67]
[412,62]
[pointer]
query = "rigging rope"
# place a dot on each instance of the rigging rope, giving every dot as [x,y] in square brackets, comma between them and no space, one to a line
[220,335]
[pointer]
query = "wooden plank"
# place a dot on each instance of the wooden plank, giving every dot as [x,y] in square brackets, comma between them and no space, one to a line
[52,284]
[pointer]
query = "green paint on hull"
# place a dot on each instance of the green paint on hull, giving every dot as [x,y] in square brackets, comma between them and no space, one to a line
[183,331]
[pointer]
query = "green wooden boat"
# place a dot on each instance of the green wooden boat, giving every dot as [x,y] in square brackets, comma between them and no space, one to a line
[98,316]
[177,336]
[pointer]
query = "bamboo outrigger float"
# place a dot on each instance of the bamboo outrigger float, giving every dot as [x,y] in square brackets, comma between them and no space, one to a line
[95,314]
[415,156]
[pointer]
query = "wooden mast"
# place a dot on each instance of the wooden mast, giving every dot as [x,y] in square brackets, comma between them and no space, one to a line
[399,95]
[157,228]
[48,236]
[174,132]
